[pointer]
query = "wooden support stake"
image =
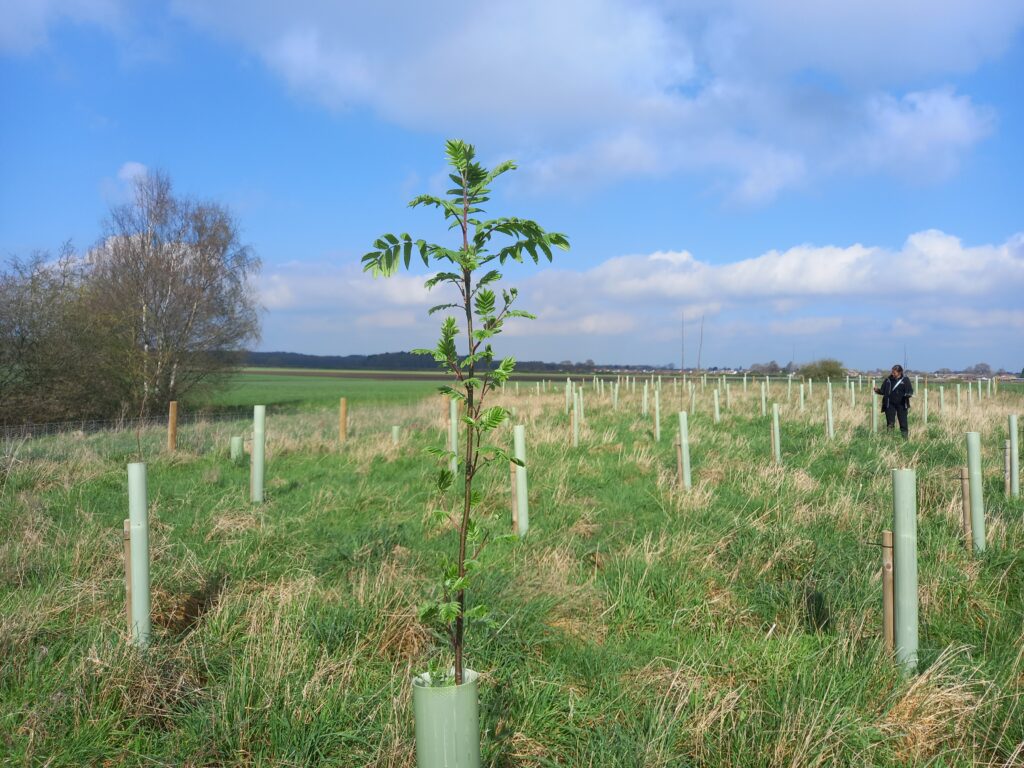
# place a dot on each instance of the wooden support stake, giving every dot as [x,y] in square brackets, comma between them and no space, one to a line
[679,460]
[965,489]
[128,572]
[172,426]
[888,614]
[515,498]
[342,420]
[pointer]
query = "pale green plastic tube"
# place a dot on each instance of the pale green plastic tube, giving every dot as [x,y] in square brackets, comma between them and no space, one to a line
[447,723]
[138,518]
[1014,458]
[977,495]
[777,447]
[718,416]
[924,415]
[453,434]
[829,420]
[801,398]
[764,400]
[904,536]
[657,416]
[396,434]
[259,446]
[522,498]
[684,440]
[236,449]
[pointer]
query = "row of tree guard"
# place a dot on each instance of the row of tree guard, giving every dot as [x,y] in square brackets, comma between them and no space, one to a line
[899,547]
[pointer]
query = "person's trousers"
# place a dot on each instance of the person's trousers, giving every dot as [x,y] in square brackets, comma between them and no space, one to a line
[892,413]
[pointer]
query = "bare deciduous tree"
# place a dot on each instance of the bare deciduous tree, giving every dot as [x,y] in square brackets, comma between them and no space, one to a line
[171,281]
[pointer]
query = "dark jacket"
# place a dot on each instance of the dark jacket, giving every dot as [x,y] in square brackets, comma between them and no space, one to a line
[896,393]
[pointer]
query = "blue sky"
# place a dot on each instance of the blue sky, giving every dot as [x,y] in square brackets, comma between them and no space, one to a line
[842,178]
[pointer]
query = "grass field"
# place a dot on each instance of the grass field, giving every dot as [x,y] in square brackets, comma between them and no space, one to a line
[295,390]
[636,625]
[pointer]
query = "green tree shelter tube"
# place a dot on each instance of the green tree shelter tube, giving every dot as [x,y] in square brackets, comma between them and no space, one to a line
[522,497]
[657,416]
[453,434]
[259,448]
[776,435]
[718,415]
[138,518]
[447,722]
[977,496]
[684,441]
[829,420]
[904,502]
[1014,457]
[236,449]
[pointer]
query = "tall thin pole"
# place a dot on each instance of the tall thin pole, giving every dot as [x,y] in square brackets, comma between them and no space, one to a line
[904,501]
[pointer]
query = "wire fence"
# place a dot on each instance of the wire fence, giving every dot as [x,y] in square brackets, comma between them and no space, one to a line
[91,426]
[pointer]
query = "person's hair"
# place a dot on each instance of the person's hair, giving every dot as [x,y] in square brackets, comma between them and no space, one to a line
[898,367]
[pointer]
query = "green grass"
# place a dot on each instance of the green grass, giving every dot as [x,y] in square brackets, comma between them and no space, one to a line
[253,386]
[737,625]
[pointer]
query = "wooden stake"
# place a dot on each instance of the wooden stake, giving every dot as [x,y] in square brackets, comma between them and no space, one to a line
[515,498]
[172,426]
[679,460]
[888,615]
[965,489]
[342,420]
[128,572]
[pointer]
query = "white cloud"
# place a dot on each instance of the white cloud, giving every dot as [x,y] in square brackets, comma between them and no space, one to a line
[933,290]
[757,97]
[131,171]
[25,24]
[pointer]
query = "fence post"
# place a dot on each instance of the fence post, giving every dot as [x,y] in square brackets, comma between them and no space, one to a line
[342,420]
[684,450]
[522,494]
[977,496]
[904,499]
[887,595]
[172,425]
[259,446]
[138,515]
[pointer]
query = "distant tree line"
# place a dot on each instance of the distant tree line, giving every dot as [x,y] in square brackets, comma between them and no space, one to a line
[393,361]
[156,309]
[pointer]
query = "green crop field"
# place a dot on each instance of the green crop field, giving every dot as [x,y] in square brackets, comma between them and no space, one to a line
[298,389]
[637,624]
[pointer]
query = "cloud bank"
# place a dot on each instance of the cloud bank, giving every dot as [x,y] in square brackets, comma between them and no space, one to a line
[753,98]
[965,299]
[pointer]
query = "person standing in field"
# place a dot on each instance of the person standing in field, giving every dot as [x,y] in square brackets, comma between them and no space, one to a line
[896,392]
